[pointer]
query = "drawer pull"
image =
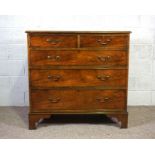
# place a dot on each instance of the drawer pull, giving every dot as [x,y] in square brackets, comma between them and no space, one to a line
[49,57]
[54,77]
[104,42]
[57,58]
[103,99]
[103,77]
[54,42]
[108,40]
[104,59]
[53,100]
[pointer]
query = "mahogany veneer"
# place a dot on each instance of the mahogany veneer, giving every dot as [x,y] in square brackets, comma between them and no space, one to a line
[78,72]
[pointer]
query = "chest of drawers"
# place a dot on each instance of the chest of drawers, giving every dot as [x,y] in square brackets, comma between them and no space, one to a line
[78,73]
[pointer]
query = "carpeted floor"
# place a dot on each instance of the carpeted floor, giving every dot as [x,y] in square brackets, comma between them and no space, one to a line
[13,124]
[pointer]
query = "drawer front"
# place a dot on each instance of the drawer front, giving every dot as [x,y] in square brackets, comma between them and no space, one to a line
[56,57]
[78,77]
[54,41]
[48,100]
[106,41]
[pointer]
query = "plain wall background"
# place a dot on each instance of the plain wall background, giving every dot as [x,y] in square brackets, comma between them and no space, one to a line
[13,52]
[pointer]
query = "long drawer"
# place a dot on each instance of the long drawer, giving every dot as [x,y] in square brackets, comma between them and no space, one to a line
[48,100]
[77,57]
[78,77]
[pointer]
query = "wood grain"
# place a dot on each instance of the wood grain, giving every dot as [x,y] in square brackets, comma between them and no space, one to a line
[78,72]
[61,58]
[108,42]
[47,100]
[54,41]
[64,78]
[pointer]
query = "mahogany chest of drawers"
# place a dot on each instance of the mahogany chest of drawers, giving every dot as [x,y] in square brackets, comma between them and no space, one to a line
[78,73]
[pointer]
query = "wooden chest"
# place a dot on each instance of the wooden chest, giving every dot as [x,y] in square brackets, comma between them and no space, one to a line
[78,73]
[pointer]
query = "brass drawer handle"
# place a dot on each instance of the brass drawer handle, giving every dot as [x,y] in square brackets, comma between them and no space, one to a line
[57,58]
[104,42]
[52,41]
[49,57]
[54,77]
[104,59]
[103,99]
[103,77]
[53,100]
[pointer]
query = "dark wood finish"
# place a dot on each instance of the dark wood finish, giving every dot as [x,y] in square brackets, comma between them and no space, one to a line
[54,41]
[121,119]
[106,41]
[78,72]
[34,118]
[64,78]
[60,57]
[49,100]
[36,32]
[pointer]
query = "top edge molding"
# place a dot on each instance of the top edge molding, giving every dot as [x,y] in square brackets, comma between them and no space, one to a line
[77,32]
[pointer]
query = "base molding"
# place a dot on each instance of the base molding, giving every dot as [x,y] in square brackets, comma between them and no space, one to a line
[120,118]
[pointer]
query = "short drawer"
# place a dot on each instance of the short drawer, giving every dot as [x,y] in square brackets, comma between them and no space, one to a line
[50,100]
[91,57]
[78,77]
[54,41]
[106,41]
